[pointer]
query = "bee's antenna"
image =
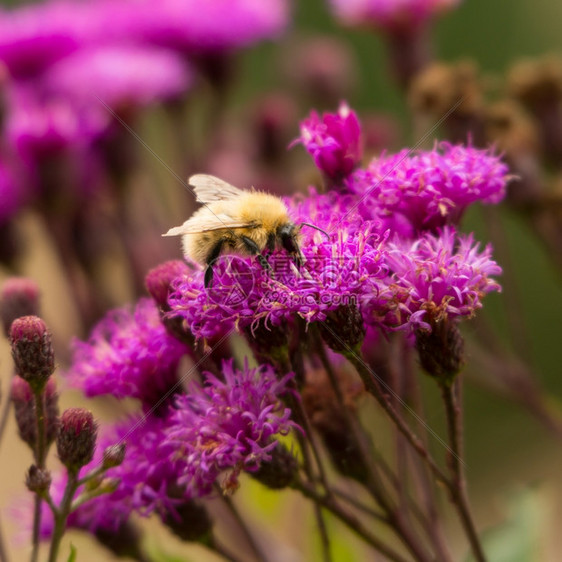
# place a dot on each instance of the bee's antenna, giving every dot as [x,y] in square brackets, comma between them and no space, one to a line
[316,228]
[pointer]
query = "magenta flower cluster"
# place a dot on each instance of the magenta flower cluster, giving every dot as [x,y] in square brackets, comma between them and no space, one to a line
[389,254]
[412,192]
[207,436]
[392,248]
[128,354]
[228,425]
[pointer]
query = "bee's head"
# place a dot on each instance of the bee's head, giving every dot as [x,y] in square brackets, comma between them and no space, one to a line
[287,235]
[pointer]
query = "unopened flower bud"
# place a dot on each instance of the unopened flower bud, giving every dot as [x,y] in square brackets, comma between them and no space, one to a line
[280,471]
[455,89]
[19,297]
[538,85]
[189,521]
[24,408]
[159,279]
[32,350]
[114,455]
[158,283]
[124,540]
[76,439]
[343,330]
[269,343]
[441,351]
[38,480]
[537,82]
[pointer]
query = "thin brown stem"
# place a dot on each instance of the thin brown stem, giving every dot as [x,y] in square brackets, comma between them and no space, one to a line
[219,548]
[349,520]
[398,521]
[4,417]
[458,490]
[374,389]
[301,417]
[256,549]
[358,505]
[3,551]
[421,477]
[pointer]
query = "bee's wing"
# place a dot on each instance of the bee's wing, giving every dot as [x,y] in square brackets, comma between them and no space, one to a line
[209,188]
[205,223]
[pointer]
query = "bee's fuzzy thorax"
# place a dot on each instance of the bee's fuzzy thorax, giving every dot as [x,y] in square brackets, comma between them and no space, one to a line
[262,208]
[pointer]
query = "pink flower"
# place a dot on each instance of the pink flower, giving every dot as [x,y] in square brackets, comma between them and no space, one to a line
[334,141]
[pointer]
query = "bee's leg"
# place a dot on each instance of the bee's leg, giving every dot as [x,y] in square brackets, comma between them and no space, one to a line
[264,263]
[253,248]
[270,244]
[212,257]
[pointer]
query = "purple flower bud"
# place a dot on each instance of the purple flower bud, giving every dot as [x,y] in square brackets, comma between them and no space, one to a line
[343,330]
[24,408]
[189,521]
[114,455]
[441,350]
[334,141]
[280,471]
[159,281]
[19,297]
[32,350]
[38,480]
[76,439]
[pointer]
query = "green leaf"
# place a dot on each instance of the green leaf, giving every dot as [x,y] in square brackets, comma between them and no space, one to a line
[72,555]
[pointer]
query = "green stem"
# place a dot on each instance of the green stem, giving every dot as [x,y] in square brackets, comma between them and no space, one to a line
[40,455]
[458,489]
[62,514]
